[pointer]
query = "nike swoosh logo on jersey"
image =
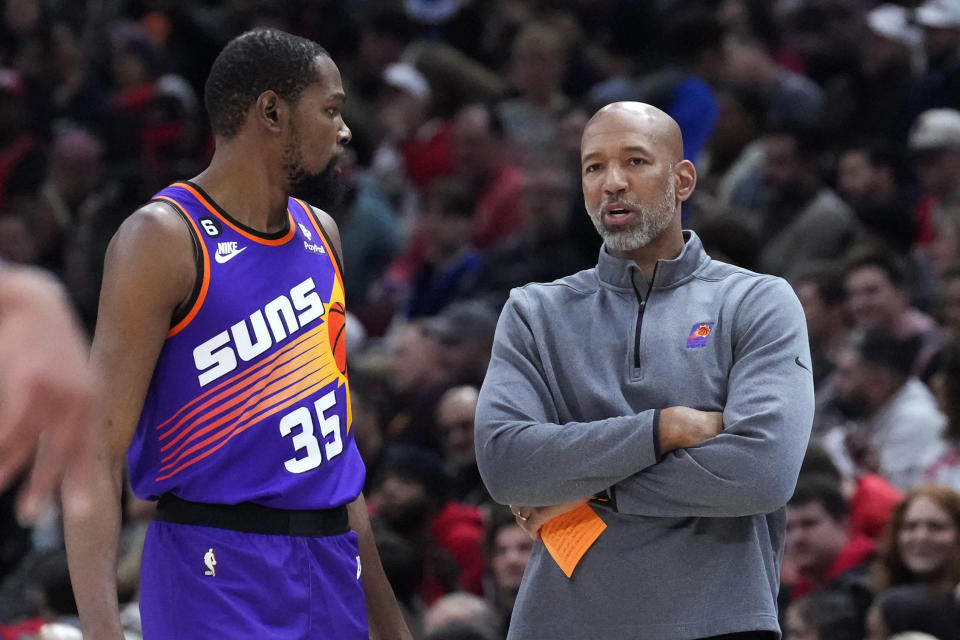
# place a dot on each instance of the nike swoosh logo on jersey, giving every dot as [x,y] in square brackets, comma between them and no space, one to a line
[225,257]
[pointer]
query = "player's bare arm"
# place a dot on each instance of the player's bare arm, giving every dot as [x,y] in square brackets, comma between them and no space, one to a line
[149,272]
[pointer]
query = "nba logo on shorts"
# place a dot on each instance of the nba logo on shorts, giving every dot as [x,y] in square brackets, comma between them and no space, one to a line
[210,560]
[699,335]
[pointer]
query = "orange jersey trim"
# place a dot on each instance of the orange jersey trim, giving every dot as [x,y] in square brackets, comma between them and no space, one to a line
[266,409]
[284,375]
[228,386]
[201,296]
[314,220]
[246,234]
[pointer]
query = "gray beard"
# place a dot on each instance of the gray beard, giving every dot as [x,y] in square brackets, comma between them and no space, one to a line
[653,222]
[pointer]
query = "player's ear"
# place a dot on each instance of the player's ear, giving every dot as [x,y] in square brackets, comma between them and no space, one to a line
[686,175]
[269,110]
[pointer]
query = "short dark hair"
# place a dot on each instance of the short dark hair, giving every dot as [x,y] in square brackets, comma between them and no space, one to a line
[824,275]
[948,363]
[498,518]
[817,462]
[891,264]
[885,351]
[254,62]
[807,137]
[453,196]
[833,614]
[951,273]
[821,490]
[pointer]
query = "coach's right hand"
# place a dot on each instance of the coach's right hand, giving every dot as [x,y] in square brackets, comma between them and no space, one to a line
[682,427]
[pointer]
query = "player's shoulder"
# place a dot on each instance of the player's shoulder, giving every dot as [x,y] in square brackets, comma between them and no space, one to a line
[155,218]
[323,218]
[156,232]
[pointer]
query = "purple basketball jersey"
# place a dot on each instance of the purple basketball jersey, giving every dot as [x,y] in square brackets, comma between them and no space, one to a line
[249,399]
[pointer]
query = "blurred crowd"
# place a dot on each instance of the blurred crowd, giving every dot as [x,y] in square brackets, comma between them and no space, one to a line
[826,136]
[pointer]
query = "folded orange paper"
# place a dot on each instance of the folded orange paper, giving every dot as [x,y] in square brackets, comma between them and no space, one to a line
[569,535]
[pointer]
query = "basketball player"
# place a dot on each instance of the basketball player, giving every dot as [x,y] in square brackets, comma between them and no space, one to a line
[219,338]
[612,382]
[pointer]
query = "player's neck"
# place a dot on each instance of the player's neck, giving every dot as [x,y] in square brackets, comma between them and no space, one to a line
[239,183]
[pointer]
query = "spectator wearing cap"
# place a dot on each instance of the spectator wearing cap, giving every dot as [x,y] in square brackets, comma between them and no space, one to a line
[410,497]
[868,99]
[414,152]
[935,144]
[420,141]
[895,425]
[939,84]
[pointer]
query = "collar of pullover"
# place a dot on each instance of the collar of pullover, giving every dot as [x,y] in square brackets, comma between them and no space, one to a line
[624,273]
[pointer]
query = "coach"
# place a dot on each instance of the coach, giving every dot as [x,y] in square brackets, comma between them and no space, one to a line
[670,393]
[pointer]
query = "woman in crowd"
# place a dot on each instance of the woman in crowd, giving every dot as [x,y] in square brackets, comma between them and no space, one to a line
[922,543]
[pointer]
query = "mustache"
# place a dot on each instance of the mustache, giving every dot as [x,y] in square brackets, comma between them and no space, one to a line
[622,200]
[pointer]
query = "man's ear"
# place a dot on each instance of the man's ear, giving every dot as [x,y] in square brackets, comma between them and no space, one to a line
[686,175]
[269,111]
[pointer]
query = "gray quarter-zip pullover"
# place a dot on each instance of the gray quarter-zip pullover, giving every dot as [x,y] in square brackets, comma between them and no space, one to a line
[580,368]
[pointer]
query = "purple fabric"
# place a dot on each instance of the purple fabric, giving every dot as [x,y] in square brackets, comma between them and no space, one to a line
[203,582]
[247,401]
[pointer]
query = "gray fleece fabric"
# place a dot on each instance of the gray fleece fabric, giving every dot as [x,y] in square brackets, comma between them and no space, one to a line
[694,540]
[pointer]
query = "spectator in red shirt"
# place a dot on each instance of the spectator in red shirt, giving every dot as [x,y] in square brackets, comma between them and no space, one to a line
[821,546]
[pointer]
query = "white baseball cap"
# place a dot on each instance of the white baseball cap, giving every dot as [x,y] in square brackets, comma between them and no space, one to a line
[892,22]
[405,77]
[935,129]
[939,14]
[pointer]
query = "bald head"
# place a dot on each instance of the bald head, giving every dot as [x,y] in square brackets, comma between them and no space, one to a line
[635,179]
[638,118]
